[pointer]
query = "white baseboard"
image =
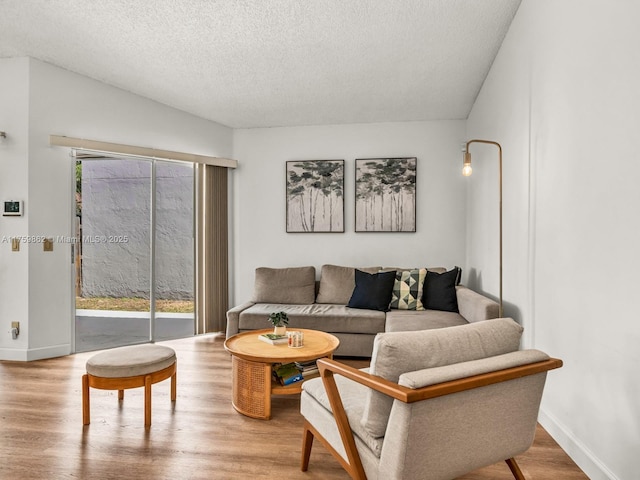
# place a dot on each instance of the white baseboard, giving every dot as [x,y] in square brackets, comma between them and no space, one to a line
[579,453]
[27,355]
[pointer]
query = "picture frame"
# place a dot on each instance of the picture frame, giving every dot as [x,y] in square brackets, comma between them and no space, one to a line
[315,196]
[385,194]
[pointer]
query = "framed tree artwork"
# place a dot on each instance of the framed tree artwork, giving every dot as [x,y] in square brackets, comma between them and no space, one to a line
[386,194]
[315,196]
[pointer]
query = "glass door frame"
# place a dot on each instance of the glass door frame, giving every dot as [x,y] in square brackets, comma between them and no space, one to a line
[75,153]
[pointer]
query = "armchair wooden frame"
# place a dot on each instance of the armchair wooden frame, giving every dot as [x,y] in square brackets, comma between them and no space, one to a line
[353,464]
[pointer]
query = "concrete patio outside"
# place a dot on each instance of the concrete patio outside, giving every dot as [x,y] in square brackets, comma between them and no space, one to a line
[100,329]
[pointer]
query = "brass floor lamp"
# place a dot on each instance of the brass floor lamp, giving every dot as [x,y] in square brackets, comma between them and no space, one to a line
[466,171]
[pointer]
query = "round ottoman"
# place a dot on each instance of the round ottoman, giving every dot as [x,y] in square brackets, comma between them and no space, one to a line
[129,367]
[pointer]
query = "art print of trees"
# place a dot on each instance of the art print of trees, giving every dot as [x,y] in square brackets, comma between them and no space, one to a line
[386,194]
[315,196]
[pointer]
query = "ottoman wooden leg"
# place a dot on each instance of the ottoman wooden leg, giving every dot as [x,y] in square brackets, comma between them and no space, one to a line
[86,414]
[173,386]
[120,394]
[147,401]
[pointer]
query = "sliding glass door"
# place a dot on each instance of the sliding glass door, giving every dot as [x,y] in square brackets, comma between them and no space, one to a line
[134,251]
[174,272]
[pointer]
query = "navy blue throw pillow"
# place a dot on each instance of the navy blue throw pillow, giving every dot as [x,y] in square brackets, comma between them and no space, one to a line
[439,291]
[373,291]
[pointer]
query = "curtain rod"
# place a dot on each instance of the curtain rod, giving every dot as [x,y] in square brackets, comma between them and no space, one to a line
[107,147]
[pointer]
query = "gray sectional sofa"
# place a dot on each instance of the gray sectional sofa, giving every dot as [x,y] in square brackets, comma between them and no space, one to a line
[322,305]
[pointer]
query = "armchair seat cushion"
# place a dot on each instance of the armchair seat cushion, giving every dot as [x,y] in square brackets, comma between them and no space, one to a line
[351,394]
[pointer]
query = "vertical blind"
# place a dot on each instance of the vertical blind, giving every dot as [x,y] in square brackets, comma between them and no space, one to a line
[212,248]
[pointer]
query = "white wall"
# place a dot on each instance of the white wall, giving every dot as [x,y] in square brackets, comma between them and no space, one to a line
[260,236]
[563,99]
[63,103]
[14,185]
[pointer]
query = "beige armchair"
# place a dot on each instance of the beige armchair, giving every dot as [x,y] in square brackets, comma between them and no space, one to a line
[433,405]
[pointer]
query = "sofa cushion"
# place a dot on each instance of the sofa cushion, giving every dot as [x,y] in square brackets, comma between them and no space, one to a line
[439,291]
[337,283]
[410,320]
[372,290]
[324,317]
[407,289]
[285,285]
[400,352]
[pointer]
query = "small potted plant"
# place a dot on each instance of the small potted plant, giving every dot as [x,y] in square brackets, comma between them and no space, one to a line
[280,322]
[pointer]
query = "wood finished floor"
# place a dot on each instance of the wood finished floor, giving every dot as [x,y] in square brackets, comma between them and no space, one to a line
[202,437]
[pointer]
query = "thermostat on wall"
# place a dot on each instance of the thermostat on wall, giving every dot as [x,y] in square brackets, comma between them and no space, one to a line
[12,208]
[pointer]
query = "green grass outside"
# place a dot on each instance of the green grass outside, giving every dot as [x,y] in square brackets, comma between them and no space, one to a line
[133,304]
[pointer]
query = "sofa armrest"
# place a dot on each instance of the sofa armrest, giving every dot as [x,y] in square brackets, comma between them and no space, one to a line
[233,318]
[475,307]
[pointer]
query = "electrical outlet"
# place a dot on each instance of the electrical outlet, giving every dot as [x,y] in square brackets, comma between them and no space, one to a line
[15,244]
[15,329]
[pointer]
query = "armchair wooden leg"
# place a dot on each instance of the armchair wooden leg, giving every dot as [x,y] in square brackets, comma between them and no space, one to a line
[307,443]
[515,469]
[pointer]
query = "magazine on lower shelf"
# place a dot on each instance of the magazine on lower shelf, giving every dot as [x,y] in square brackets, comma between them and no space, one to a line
[314,372]
[287,373]
[308,369]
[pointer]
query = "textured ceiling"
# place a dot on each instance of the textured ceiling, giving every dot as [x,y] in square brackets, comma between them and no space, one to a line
[263,63]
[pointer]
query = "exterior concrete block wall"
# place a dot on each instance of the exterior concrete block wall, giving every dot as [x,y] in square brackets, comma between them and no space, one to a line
[116,229]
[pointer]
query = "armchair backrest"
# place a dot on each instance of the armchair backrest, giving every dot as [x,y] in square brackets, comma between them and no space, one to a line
[396,353]
[447,436]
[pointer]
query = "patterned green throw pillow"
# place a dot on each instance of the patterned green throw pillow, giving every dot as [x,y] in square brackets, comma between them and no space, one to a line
[407,290]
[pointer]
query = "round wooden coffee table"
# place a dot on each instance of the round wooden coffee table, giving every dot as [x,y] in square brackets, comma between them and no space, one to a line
[252,361]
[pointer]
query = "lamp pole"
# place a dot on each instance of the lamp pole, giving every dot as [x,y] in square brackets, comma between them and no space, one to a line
[466,171]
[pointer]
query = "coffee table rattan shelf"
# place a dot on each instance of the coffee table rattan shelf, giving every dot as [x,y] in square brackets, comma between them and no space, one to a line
[252,360]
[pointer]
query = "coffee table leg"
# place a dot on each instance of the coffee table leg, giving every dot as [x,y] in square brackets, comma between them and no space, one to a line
[251,388]
[267,390]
